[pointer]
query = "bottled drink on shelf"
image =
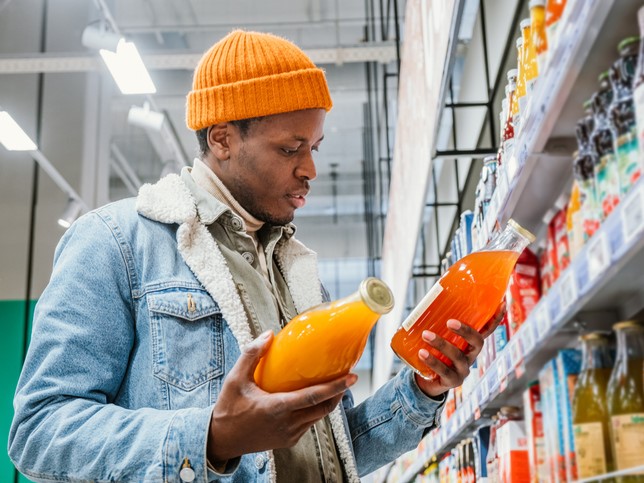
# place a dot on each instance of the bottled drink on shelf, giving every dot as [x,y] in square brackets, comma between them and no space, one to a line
[584,172]
[625,396]
[622,115]
[574,220]
[554,10]
[324,342]
[470,291]
[506,147]
[491,461]
[606,168]
[530,71]
[538,28]
[638,89]
[520,91]
[589,407]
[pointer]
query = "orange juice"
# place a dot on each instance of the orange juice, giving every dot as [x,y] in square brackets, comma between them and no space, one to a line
[325,342]
[470,291]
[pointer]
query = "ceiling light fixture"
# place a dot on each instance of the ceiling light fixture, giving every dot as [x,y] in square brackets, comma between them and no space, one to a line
[72,210]
[12,136]
[121,57]
[145,117]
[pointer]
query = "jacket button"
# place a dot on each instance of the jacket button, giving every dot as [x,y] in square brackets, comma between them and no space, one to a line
[260,461]
[236,223]
[187,474]
[249,257]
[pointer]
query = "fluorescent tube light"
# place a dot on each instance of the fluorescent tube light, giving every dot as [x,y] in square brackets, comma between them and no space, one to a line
[127,68]
[12,136]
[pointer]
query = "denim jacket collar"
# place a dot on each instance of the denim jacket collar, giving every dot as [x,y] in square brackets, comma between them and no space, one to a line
[170,201]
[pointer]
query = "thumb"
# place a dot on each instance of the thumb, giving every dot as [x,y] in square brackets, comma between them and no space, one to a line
[253,352]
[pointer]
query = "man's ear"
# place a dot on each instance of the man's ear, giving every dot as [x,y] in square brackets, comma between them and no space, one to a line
[218,140]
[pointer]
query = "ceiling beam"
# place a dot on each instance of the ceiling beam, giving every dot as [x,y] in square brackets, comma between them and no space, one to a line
[383,52]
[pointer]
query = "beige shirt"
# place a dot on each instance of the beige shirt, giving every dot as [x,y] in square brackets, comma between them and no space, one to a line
[248,246]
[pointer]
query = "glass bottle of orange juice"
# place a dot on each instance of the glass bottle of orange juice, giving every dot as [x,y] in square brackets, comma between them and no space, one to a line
[324,342]
[470,291]
[538,30]
[520,91]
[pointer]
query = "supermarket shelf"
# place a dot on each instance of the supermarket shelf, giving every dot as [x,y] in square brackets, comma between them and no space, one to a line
[541,167]
[607,274]
[614,474]
[606,280]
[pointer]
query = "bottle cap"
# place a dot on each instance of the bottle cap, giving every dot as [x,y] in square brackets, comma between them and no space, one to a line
[525,23]
[519,42]
[537,3]
[627,324]
[603,76]
[587,104]
[529,236]
[593,336]
[626,42]
[512,73]
[377,295]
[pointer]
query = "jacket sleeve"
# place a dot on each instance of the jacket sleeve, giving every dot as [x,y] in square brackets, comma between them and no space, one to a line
[391,422]
[65,426]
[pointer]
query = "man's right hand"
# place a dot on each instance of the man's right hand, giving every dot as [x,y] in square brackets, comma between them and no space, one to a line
[247,419]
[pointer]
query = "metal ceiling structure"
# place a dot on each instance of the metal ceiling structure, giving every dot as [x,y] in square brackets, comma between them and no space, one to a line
[64,97]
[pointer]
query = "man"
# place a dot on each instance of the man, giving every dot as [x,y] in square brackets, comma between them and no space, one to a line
[145,341]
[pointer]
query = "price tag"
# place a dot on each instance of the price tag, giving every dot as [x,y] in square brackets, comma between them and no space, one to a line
[598,255]
[503,186]
[514,161]
[505,363]
[520,370]
[485,391]
[527,337]
[501,367]
[567,289]
[632,213]
[542,318]
[516,354]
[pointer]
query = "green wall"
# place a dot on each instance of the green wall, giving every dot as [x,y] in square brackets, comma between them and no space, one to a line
[12,321]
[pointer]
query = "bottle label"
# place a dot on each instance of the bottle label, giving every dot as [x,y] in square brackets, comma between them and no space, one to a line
[628,162]
[589,446]
[607,178]
[628,440]
[638,100]
[428,299]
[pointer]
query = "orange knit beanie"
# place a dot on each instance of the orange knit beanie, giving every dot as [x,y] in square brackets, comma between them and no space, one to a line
[252,74]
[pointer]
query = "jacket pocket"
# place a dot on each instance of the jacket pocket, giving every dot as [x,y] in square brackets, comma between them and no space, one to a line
[186,327]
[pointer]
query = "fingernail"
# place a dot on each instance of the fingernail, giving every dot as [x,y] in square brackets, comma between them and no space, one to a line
[423,353]
[428,335]
[453,324]
[265,335]
[351,379]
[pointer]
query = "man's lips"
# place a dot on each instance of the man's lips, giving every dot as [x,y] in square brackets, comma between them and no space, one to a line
[298,200]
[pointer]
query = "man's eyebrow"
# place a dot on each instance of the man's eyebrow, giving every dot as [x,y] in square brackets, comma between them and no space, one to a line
[303,139]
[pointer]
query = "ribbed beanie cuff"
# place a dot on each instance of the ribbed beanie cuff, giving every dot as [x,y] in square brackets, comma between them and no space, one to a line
[250,74]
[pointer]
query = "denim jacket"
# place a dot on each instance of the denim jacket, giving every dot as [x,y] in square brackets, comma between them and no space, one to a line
[132,339]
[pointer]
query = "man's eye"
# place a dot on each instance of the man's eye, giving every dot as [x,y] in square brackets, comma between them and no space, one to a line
[315,148]
[289,152]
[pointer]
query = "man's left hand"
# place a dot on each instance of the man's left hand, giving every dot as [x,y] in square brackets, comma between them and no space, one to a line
[453,375]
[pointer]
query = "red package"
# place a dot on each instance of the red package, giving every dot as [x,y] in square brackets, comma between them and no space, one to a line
[544,270]
[513,453]
[523,291]
[551,248]
[561,239]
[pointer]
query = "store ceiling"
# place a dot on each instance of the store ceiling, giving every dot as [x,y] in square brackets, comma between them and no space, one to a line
[333,220]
